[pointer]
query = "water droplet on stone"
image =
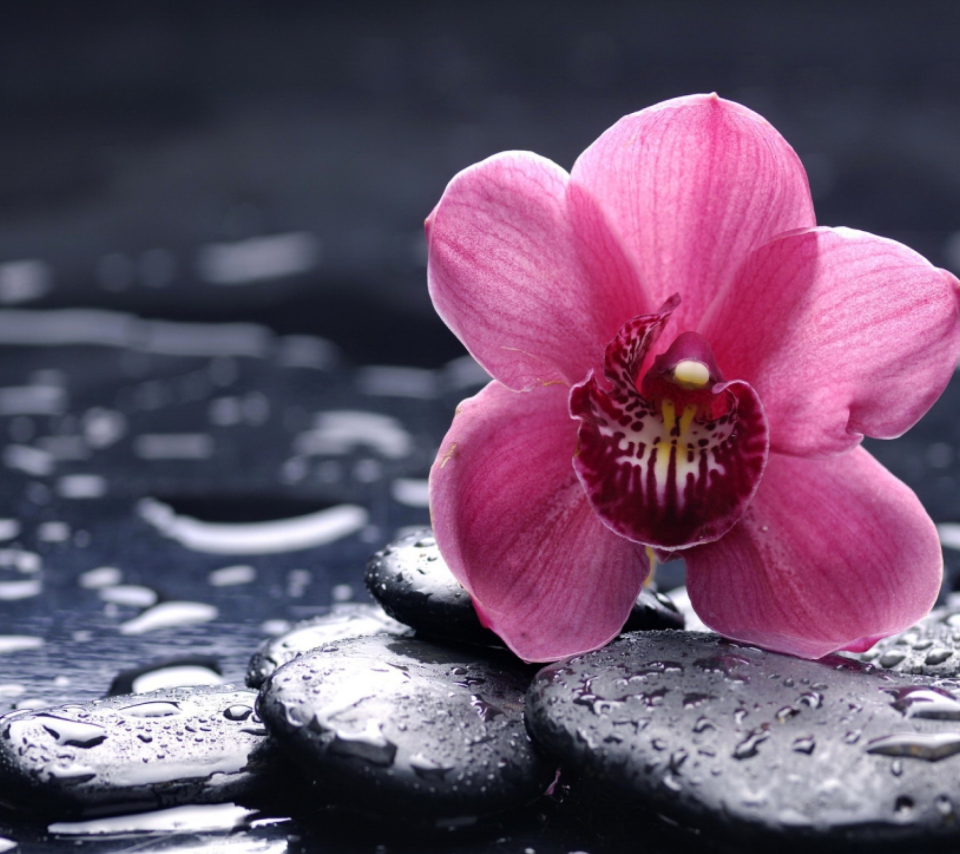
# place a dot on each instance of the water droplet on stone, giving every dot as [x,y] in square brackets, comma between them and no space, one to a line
[237,713]
[922,702]
[903,806]
[73,733]
[891,659]
[487,711]
[696,699]
[750,746]
[160,709]
[785,713]
[929,746]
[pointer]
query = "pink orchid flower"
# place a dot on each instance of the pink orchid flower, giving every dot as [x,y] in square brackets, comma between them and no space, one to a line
[684,364]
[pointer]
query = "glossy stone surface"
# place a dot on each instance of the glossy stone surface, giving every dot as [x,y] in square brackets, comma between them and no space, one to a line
[343,621]
[413,583]
[140,751]
[931,647]
[410,728]
[716,735]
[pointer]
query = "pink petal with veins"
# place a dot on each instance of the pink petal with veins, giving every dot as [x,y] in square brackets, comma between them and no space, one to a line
[831,554]
[526,271]
[692,186]
[515,528]
[841,333]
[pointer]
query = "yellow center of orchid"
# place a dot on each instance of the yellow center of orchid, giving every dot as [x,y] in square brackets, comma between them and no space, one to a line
[691,374]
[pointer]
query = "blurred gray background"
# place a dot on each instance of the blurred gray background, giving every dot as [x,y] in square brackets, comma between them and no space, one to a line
[274,161]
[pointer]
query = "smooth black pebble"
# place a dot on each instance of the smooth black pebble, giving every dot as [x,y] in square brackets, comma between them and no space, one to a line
[719,736]
[414,585]
[343,621]
[141,751]
[404,727]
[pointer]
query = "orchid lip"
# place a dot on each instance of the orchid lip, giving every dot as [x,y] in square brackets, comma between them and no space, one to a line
[673,461]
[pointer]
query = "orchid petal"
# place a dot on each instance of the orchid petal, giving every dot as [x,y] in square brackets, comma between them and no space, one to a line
[842,334]
[831,554]
[692,186]
[514,526]
[526,271]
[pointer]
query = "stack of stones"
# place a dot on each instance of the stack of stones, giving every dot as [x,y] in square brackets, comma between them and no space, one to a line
[411,709]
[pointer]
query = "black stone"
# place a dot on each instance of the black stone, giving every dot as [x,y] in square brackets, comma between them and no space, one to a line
[931,647]
[414,585]
[402,726]
[343,621]
[719,736]
[140,751]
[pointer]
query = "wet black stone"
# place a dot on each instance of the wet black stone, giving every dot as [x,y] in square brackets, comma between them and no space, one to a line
[406,727]
[414,585]
[343,621]
[140,751]
[719,736]
[930,648]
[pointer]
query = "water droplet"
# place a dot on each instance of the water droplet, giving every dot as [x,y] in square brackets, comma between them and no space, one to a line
[161,709]
[370,745]
[695,699]
[750,746]
[892,658]
[937,656]
[903,806]
[238,712]
[703,724]
[804,744]
[71,773]
[652,698]
[487,711]
[677,758]
[920,702]
[726,664]
[672,783]
[812,699]
[73,733]
[930,746]
[784,714]
[943,806]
